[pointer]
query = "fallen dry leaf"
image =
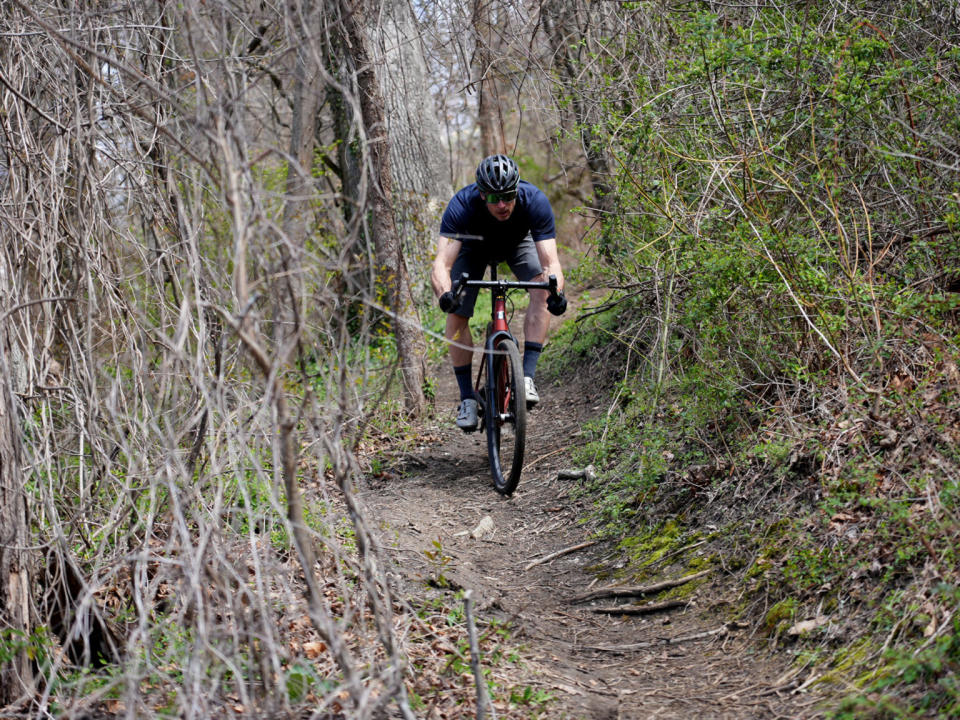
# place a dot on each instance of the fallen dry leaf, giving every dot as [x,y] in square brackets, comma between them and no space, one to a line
[314,649]
[806,626]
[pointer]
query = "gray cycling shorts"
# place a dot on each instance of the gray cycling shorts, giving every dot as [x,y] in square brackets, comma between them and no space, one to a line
[474,258]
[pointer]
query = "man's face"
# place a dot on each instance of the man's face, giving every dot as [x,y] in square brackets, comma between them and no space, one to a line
[501,204]
[502,209]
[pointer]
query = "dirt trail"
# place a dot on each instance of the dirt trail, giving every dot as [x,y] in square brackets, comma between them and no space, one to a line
[444,493]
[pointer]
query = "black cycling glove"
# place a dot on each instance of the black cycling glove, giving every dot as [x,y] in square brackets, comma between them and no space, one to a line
[557,304]
[449,302]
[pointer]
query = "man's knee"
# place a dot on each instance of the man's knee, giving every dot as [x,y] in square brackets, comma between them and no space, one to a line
[457,326]
[538,299]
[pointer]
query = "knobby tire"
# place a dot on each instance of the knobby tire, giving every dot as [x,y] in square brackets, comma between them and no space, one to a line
[506,419]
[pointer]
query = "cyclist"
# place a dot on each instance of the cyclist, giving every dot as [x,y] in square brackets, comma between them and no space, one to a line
[498,218]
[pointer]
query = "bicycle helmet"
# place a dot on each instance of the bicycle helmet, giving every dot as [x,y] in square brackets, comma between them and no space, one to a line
[497,174]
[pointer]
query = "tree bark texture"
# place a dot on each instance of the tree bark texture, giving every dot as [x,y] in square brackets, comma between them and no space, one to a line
[562,22]
[421,179]
[416,155]
[489,110]
[392,275]
[16,675]
[299,192]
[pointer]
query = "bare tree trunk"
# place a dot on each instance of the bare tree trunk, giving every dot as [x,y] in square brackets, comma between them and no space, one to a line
[391,265]
[421,178]
[489,110]
[16,675]
[560,20]
[299,190]
[417,161]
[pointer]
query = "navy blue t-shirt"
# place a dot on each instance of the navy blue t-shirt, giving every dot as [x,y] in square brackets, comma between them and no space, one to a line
[468,220]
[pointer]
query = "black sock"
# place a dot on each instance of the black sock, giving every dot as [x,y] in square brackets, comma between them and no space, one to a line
[531,353]
[463,373]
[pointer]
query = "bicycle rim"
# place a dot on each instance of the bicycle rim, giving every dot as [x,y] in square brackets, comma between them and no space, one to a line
[507,418]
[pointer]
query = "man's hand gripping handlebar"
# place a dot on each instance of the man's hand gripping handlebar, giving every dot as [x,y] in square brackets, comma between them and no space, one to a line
[449,302]
[556,302]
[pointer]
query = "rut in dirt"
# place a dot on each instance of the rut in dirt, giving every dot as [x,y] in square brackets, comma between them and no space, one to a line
[682,661]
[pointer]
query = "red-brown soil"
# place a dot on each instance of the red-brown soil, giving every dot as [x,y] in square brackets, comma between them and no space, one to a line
[690,666]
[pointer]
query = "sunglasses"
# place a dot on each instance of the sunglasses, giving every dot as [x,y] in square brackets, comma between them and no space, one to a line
[494,198]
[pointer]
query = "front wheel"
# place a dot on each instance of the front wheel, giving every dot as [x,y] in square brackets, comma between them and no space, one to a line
[506,416]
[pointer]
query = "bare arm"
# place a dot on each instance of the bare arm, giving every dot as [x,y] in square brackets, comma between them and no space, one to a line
[550,260]
[447,251]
